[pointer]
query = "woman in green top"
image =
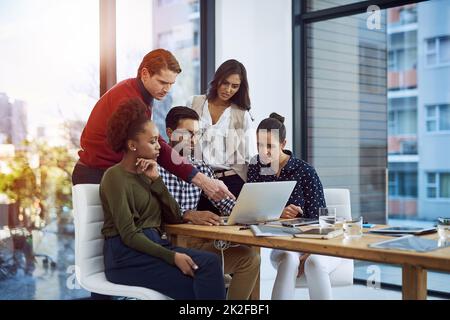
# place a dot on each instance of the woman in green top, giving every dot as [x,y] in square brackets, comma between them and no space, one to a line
[135,203]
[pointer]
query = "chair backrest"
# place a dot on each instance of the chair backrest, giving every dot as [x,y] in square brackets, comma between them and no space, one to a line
[340,199]
[88,219]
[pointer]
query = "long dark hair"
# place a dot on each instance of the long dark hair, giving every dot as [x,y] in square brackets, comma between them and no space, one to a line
[229,67]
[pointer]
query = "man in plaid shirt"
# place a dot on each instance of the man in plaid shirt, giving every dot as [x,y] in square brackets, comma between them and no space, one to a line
[182,127]
[188,194]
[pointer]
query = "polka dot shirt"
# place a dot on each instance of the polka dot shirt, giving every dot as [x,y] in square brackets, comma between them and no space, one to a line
[308,192]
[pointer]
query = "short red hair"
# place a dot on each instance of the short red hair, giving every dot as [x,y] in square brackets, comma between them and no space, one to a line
[157,60]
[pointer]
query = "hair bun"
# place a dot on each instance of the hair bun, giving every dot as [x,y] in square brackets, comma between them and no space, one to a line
[275,115]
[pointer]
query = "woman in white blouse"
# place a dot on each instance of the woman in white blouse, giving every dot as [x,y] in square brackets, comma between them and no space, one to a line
[226,138]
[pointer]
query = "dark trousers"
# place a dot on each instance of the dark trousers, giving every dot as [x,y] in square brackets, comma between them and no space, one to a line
[124,265]
[234,184]
[86,175]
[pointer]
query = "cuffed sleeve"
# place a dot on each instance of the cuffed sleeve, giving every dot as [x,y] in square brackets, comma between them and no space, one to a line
[170,160]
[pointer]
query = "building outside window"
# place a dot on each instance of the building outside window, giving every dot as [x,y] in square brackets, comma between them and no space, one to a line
[372,102]
[438,118]
[438,185]
[438,51]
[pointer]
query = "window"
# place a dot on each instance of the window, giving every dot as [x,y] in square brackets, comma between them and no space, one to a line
[348,148]
[368,93]
[438,185]
[402,51]
[143,25]
[49,82]
[408,14]
[438,118]
[437,51]
[403,183]
[402,122]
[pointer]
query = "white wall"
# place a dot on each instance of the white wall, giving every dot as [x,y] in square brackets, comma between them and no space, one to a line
[258,34]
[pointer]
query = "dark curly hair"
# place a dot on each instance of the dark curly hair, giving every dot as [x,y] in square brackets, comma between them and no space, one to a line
[125,123]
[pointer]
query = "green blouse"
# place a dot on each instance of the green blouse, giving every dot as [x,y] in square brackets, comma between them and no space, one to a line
[131,203]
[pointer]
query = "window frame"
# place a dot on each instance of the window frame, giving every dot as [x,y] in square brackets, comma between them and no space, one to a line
[300,19]
[436,118]
[436,185]
[437,43]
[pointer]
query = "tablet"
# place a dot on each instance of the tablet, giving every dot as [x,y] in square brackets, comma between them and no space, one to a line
[320,233]
[404,230]
[410,243]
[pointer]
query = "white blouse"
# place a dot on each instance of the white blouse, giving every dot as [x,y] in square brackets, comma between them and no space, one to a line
[213,138]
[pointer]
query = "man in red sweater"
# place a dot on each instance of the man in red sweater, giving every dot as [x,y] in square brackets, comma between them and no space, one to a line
[156,74]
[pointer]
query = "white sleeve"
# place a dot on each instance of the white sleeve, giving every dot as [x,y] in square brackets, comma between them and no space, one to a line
[189,102]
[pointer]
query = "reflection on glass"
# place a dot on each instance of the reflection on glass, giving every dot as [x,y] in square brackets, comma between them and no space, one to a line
[144,25]
[49,82]
[347,118]
[313,5]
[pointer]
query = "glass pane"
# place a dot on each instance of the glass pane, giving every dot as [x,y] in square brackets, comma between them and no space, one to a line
[431,178]
[431,59]
[431,111]
[408,14]
[407,122]
[313,5]
[444,117]
[431,45]
[143,25]
[49,82]
[408,184]
[431,192]
[347,67]
[431,125]
[444,185]
[444,50]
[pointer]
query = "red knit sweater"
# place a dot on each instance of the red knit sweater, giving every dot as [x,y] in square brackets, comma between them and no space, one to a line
[95,151]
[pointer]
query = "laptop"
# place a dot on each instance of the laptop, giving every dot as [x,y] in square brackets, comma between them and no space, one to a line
[260,202]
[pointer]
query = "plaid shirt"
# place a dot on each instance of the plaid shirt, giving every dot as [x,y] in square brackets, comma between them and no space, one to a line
[187,194]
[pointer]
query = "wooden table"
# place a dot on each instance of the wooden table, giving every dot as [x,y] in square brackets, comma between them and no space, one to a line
[414,264]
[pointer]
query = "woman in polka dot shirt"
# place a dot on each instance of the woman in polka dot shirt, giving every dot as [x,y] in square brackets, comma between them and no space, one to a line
[273,163]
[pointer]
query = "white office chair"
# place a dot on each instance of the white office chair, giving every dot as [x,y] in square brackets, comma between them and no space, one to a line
[88,217]
[343,275]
